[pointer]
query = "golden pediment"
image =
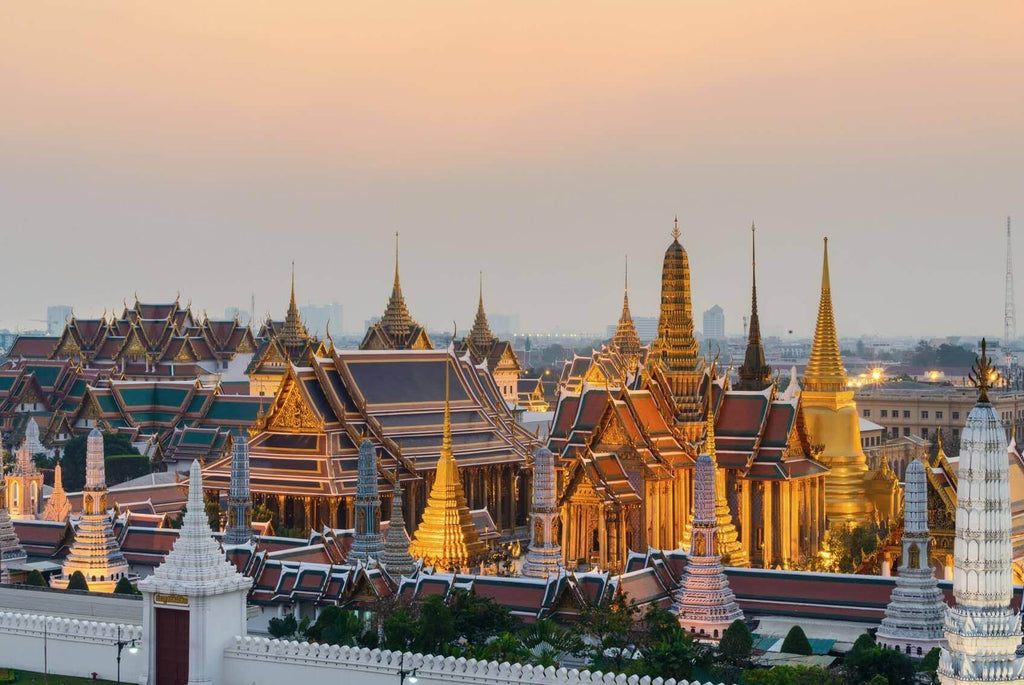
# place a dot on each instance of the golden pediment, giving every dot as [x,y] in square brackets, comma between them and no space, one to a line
[134,348]
[292,413]
[184,354]
[69,348]
[245,345]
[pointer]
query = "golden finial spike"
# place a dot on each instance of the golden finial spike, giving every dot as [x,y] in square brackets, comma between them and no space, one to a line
[826,285]
[675,228]
[446,428]
[396,259]
[982,373]
[709,441]
[825,366]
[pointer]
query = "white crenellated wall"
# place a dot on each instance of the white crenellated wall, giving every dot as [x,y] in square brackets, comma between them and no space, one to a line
[72,647]
[259,660]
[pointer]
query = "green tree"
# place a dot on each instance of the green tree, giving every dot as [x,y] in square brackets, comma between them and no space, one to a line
[866,661]
[35,579]
[611,627]
[400,629]
[335,626]
[879,679]
[77,582]
[212,508]
[930,664]
[478,618]
[546,632]
[674,657]
[737,644]
[954,355]
[796,642]
[435,627]
[506,647]
[283,627]
[790,675]
[263,513]
[924,355]
[848,546]
[125,587]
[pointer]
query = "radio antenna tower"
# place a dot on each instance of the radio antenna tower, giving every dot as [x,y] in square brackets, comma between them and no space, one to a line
[1010,316]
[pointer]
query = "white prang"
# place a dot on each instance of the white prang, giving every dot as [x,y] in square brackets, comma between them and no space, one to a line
[545,554]
[982,631]
[195,566]
[913,620]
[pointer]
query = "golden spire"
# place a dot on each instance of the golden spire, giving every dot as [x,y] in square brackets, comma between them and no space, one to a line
[446,537]
[709,440]
[825,367]
[626,339]
[480,336]
[675,229]
[397,320]
[293,333]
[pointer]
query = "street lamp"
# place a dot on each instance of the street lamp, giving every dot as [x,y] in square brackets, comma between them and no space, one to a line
[405,676]
[132,646]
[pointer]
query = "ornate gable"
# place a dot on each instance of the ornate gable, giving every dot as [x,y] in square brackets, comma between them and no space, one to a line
[610,431]
[68,346]
[291,412]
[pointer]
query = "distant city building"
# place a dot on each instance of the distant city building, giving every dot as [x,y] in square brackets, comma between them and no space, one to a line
[505,325]
[714,323]
[317,316]
[56,316]
[646,328]
[921,410]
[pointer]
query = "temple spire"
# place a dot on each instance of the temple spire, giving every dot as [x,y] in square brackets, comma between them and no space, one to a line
[446,537]
[626,339]
[58,508]
[11,551]
[239,528]
[544,556]
[825,367]
[293,333]
[367,543]
[755,374]
[480,337]
[396,557]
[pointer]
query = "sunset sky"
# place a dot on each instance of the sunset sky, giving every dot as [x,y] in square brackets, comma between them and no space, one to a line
[201,147]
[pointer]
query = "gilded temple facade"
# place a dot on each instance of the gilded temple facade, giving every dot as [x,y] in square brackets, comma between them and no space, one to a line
[304,446]
[396,330]
[627,438]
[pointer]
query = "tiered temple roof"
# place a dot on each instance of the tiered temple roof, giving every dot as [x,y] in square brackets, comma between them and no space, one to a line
[154,341]
[306,444]
[396,330]
[280,343]
[485,347]
[755,374]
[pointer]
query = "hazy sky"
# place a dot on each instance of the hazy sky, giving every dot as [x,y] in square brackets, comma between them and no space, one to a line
[200,147]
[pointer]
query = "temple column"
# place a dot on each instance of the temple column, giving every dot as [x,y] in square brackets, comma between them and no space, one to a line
[767,550]
[334,513]
[281,501]
[602,536]
[745,518]
[350,512]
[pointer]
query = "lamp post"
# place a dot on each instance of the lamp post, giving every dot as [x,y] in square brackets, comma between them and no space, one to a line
[405,676]
[121,644]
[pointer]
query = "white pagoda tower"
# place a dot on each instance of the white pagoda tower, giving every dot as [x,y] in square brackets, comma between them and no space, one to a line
[982,631]
[94,552]
[913,620]
[194,603]
[396,557]
[545,554]
[704,602]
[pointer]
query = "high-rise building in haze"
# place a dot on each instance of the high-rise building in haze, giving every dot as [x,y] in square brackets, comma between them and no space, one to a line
[714,323]
[56,316]
[317,316]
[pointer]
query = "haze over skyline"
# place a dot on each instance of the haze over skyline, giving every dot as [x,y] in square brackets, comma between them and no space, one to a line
[200,148]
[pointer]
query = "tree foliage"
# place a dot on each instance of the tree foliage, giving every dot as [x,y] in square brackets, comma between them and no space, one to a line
[785,674]
[866,662]
[848,546]
[125,587]
[796,642]
[336,626]
[35,579]
[77,582]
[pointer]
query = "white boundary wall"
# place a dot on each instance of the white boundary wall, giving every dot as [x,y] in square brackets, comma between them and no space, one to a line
[255,660]
[72,647]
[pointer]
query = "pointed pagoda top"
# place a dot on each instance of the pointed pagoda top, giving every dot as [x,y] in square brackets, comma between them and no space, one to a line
[709,438]
[397,320]
[480,336]
[195,566]
[293,333]
[825,367]
[982,373]
[675,229]
[755,374]
[396,557]
[626,339]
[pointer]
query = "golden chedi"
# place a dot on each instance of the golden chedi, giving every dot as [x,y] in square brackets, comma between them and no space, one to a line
[830,415]
[446,538]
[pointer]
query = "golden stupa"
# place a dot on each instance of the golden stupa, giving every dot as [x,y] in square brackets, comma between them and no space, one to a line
[830,415]
[446,538]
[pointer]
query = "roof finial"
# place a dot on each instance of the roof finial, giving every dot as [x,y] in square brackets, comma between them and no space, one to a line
[396,259]
[626,281]
[446,434]
[293,282]
[825,279]
[982,373]
[675,229]
[481,287]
